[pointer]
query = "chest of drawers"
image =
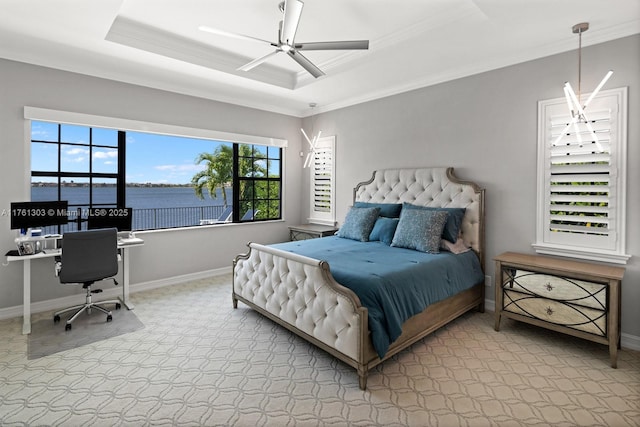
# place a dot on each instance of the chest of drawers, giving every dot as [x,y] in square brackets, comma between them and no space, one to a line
[310,231]
[576,298]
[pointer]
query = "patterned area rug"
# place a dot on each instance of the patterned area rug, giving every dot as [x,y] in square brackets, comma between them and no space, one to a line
[199,362]
[47,337]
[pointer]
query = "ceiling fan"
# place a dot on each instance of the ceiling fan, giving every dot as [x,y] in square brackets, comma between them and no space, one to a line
[292,10]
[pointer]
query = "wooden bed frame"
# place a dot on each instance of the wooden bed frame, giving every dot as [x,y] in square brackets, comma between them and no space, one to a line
[300,293]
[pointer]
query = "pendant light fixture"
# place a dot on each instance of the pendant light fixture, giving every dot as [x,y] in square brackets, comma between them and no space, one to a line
[312,142]
[574,102]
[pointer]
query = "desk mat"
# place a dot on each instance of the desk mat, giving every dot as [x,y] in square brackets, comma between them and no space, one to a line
[48,337]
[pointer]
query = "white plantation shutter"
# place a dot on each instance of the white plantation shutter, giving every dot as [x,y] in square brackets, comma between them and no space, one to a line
[581,184]
[322,209]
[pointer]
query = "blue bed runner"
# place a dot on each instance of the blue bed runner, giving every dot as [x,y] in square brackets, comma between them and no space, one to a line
[394,284]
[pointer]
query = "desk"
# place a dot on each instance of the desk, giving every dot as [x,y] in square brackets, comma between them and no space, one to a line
[123,245]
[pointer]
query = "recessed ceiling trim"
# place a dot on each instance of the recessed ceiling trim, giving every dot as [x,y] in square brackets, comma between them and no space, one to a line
[531,53]
[129,32]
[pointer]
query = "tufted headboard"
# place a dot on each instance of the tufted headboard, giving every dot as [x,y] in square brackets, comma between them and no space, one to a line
[435,187]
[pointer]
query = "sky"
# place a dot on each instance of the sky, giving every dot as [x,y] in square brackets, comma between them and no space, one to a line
[151,158]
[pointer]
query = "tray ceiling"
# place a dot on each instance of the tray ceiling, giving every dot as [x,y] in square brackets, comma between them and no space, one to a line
[413,43]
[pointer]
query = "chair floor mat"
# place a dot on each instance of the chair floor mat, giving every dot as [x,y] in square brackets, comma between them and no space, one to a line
[48,337]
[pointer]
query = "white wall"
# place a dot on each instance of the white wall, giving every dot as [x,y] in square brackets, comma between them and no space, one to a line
[168,253]
[486,127]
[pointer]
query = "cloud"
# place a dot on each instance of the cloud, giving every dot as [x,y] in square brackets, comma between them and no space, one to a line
[105,154]
[75,151]
[42,135]
[76,154]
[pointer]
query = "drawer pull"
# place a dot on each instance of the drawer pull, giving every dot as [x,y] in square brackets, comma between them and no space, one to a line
[549,287]
[549,311]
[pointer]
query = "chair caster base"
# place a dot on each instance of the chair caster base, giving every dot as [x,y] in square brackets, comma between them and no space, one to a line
[67,327]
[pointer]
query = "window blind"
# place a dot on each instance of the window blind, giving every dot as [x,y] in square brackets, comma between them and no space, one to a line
[322,179]
[580,176]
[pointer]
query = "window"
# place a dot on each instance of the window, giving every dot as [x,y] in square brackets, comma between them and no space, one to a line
[581,180]
[174,179]
[322,209]
[79,164]
[257,178]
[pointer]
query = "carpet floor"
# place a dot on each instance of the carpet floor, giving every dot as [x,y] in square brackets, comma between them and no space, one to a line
[197,361]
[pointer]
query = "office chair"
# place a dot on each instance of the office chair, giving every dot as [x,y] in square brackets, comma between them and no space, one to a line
[87,257]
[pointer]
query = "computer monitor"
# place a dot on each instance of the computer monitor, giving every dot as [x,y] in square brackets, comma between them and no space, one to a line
[120,218]
[26,215]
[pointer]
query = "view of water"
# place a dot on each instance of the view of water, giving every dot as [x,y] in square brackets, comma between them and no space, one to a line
[136,197]
[153,207]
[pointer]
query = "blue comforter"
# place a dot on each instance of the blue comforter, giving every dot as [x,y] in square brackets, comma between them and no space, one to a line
[392,283]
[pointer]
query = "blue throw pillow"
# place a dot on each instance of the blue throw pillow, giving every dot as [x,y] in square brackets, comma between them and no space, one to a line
[384,229]
[454,220]
[389,210]
[420,229]
[358,224]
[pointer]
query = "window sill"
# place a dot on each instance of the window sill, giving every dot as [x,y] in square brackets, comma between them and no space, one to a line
[579,253]
[329,222]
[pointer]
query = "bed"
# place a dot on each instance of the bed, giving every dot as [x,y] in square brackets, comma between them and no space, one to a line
[294,285]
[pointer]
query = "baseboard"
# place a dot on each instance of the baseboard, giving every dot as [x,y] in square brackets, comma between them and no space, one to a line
[631,342]
[58,303]
[489,305]
[154,284]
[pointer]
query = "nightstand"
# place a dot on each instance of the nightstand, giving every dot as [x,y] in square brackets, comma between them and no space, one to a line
[310,231]
[576,298]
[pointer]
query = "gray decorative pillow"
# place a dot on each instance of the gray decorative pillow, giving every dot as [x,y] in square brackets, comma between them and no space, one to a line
[454,220]
[420,230]
[359,223]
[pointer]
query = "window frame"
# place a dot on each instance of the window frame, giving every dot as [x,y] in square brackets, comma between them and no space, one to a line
[238,201]
[122,125]
[583,245]
[323,146]
[90,175]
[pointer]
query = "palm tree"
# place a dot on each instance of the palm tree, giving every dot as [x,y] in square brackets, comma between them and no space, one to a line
[218,171]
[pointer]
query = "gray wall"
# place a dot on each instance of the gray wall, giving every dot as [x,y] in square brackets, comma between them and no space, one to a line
[165,254]
[486,127]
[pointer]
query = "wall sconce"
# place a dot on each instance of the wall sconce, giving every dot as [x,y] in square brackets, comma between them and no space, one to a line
[576,108]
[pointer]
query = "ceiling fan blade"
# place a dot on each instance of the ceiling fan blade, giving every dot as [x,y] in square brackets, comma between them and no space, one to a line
[257,61]
[337,45]
[306,64]
[229,34]
[292,12]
